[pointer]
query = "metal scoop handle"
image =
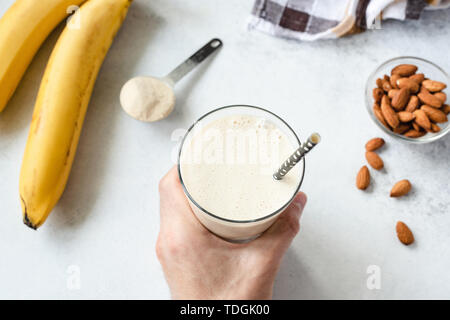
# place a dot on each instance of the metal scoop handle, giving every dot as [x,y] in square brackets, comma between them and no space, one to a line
[187,66]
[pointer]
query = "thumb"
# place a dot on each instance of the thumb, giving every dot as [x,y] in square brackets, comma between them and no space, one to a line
[280,235]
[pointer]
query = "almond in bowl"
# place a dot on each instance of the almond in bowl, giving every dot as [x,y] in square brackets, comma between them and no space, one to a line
[407,98]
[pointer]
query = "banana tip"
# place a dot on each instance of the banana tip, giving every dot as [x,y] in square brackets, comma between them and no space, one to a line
[26,220]
[28,223]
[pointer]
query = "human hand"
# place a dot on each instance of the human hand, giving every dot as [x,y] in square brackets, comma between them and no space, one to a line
[199,265]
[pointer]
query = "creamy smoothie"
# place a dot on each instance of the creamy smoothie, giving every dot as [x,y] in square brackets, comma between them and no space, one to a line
[226,167]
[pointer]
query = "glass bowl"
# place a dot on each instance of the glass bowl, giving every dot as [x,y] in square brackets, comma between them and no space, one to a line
[431,71]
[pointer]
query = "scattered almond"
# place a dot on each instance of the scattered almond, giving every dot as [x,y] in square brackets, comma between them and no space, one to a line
[363,178]
[404,234]
[374,144]
[401,188]
[374,160]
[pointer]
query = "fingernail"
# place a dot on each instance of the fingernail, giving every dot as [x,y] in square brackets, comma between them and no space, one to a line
[300,200]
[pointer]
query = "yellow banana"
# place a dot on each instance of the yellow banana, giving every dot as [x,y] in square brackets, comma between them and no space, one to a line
[61,105]
[23,29]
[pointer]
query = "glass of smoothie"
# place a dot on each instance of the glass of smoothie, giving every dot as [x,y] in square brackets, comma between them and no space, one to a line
[226,164]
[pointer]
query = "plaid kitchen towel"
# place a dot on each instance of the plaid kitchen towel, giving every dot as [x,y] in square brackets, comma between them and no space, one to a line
[329,19]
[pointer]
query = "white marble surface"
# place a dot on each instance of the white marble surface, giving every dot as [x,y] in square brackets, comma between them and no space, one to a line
[107,220]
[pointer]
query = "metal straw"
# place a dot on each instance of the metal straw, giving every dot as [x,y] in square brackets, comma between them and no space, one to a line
[298,155]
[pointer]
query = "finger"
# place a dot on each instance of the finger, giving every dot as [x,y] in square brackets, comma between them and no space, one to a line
[171,194]
[280,235]
[174,206]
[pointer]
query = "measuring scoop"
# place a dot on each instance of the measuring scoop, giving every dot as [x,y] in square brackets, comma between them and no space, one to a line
[151,99]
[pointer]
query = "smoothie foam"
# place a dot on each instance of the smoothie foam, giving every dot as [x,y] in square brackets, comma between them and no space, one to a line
[227,167]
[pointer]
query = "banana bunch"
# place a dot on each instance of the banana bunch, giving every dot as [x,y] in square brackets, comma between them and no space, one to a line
[23,29]
[65,89]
